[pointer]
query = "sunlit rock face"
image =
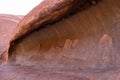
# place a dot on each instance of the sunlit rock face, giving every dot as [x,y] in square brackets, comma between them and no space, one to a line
[83,46]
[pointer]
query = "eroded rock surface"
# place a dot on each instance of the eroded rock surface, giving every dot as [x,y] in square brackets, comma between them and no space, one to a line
[84,46]
[7,25]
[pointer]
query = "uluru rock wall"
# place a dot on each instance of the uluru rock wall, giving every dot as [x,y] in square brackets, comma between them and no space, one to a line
[7,25]
[83,46]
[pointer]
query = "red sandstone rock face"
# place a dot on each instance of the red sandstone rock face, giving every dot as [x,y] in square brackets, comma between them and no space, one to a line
[7,25]
[84,46]
[46,13]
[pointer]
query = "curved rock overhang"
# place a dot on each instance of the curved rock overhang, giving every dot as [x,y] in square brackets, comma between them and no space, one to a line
[47,12]
[90,31]
[7,25]
[84,46]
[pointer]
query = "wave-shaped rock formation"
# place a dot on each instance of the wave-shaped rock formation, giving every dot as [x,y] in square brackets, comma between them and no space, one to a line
[62,40]
[7,25]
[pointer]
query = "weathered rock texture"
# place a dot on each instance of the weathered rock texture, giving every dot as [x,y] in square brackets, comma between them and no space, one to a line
[45,13]
[7,25]
[83,46]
